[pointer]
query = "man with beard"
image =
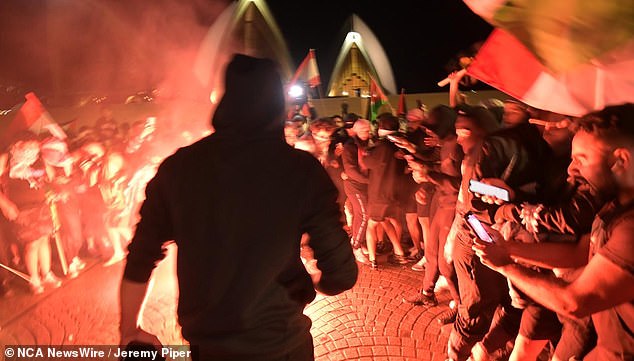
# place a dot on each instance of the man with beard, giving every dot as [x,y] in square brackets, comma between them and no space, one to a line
[602,154]
[566,213]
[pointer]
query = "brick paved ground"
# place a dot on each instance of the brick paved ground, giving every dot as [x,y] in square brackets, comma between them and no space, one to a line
[370,322]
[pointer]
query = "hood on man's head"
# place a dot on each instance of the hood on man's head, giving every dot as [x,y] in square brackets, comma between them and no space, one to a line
[253,99]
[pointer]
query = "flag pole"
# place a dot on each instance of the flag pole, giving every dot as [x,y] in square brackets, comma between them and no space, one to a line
[24,276]
[56,237]
[402,103]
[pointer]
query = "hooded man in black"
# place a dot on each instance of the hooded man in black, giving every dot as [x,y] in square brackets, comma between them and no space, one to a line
[236,204]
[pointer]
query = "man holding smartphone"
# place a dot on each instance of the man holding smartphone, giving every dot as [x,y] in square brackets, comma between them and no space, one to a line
[512,154]
[603,155]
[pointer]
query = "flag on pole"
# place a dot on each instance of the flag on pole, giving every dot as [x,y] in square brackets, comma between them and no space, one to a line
[506,64]
[308,71]
[562,34]
[402,105]
[30,116]
[377,99]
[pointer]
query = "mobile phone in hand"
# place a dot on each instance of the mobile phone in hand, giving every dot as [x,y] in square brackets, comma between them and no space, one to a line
[477,227]
[488,190]
[395,138]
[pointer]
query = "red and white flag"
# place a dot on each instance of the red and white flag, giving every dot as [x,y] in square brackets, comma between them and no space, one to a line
[562,34]
[32,116]
[506,64]
[308,71]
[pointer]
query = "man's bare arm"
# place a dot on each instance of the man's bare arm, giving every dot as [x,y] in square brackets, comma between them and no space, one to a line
[601,285]
[131,298]
[552,255]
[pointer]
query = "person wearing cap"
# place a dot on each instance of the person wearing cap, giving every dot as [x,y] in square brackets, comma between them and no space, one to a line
[236,204]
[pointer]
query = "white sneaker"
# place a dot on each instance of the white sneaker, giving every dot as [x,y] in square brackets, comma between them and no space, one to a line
[75,267]
[420,265]
[73,270]
[78,264]
[116,258]
[52,280]
[360,257]
[478,352]
[36,286]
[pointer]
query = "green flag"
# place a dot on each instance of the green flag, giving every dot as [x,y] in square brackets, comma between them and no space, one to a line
[377,100]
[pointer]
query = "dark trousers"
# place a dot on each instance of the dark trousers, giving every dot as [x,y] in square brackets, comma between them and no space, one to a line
[358,198]
[434,246]
[481,289]
[503,331]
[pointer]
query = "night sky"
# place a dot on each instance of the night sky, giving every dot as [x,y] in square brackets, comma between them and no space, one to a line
[420,37]
[122,46]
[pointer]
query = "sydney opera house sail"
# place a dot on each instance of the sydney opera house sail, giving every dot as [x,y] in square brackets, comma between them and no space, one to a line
[248,27]
[361,57]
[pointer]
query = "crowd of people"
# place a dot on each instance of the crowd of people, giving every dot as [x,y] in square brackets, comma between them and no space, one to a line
[528,284]
[417,172]
[65,201]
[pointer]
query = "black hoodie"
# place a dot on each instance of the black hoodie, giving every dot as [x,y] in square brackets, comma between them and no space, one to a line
[236,203]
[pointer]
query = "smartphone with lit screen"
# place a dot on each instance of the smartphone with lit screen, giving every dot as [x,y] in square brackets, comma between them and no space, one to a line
[488,190]
[477,227]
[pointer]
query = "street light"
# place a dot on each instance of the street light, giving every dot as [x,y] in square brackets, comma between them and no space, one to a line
[296,91]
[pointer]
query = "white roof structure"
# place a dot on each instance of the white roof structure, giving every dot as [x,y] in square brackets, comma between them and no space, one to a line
[247,27]
[360,57]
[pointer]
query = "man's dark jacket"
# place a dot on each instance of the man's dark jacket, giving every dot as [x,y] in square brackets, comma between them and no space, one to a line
[236,204]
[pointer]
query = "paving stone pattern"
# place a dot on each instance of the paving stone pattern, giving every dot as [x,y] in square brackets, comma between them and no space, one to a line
[370,322]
